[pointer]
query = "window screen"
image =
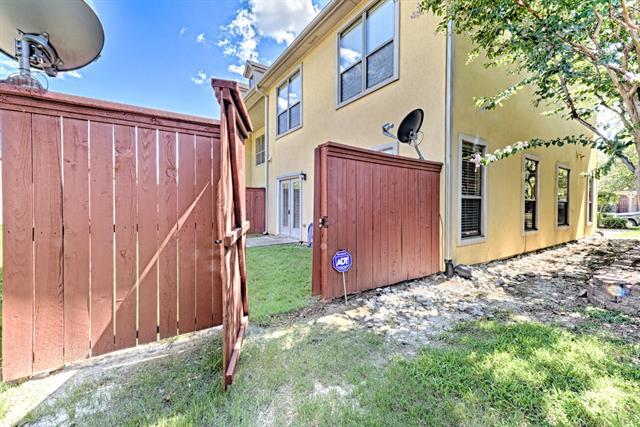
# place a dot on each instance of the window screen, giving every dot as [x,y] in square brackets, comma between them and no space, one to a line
[471,203]
[530,194]
[563,196]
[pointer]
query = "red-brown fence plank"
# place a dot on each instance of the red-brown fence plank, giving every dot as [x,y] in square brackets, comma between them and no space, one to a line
[17,297]
[435,223]
[217,231]
[48,304]
[75,216]
[347,178]
[147,236]
[186,233]
[168,225]
[204,234]
[125,236]
[101,211]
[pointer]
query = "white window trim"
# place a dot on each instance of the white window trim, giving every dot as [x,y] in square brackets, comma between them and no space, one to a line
[559,166]
[392,145]
[288,176]
[591,180]
[396,54]
[485,197]
[255,149]
[537,217]
[283,81]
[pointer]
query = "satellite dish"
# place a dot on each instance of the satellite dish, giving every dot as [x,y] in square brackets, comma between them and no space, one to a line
[409,130]
[49,35]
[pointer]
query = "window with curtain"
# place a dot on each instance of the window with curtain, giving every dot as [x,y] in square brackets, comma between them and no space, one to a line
[530,194]
[367,51]
[563,196]
[472,192]
[289,104]
[260,150]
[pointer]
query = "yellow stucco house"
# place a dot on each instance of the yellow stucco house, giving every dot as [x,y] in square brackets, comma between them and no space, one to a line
[361,64]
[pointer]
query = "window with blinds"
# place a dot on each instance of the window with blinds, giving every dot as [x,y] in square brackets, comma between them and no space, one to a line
[530,194]
[471,203]
[260,150]
[289,104]
[563,196]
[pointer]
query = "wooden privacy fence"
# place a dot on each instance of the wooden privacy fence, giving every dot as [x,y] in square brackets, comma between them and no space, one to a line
[255,210]
[110,217]
[383,209]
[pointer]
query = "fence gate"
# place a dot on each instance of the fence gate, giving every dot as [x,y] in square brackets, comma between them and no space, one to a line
[111,218]
[255,210]
[383,209]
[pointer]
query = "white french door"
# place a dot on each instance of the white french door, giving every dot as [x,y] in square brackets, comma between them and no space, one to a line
[289,209]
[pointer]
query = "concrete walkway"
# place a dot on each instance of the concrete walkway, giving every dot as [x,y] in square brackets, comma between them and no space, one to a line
[269,240]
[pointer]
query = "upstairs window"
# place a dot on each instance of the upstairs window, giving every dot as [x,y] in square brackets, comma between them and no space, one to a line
[368,51]
[530,194]
[472,192]
[563,179]
[290,104]
[260,150]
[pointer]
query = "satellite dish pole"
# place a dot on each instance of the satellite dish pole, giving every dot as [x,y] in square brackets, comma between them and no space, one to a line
[408,131]
[48,35]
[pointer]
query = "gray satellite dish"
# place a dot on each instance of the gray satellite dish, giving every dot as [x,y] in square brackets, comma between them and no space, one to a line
[49,35]
[409,130]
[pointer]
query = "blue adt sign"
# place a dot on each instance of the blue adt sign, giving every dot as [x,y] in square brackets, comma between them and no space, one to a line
[342,261]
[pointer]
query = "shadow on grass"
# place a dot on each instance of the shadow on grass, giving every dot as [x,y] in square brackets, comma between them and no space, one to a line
[497,374]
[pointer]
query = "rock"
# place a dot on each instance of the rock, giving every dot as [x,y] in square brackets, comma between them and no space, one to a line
[500,282]
[582,293]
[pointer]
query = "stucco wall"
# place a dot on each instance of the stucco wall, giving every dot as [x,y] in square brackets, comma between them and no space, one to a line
[420,85]
[516,120]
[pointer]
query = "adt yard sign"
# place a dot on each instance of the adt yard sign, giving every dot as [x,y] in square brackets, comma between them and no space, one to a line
[342,261]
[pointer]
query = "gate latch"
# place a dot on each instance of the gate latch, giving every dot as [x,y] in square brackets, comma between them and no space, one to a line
[323,222]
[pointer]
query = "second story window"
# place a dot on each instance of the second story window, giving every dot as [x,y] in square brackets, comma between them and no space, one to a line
[368,51]
[260,150]
[290,104]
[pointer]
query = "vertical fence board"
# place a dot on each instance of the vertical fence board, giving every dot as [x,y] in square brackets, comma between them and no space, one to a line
[217,231]
[147,236]
[186,234]
[101,211]
[126,236]
[204,235]
[168,219]
[76,239]
[48,308]
[255,210]
[17,297]
[346,170]
[435,223]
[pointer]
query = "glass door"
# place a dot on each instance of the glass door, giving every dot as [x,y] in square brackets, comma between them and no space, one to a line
[290,207]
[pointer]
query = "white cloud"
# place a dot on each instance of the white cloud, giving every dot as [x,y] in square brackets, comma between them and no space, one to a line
[280,21]
[183,30]
[74,74]
[202,39]
[200,78]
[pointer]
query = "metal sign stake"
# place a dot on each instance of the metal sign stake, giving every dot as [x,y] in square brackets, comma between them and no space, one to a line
[344,286]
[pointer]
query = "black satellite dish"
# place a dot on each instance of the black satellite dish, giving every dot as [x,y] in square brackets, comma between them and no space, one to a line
[409,130]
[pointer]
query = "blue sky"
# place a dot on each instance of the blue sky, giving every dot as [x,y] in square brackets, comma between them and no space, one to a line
[162,53]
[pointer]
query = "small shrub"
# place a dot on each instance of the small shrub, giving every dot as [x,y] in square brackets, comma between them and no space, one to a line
[612,222]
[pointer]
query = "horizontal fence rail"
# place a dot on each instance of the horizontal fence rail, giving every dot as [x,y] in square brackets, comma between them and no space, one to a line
[109,215]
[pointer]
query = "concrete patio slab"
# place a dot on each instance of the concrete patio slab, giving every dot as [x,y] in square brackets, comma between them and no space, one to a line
[269,240]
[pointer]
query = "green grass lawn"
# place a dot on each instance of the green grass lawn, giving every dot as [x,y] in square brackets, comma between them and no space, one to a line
[278,280]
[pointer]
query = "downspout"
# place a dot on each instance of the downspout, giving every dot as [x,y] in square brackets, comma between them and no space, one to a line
[266,159]
[448,176]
